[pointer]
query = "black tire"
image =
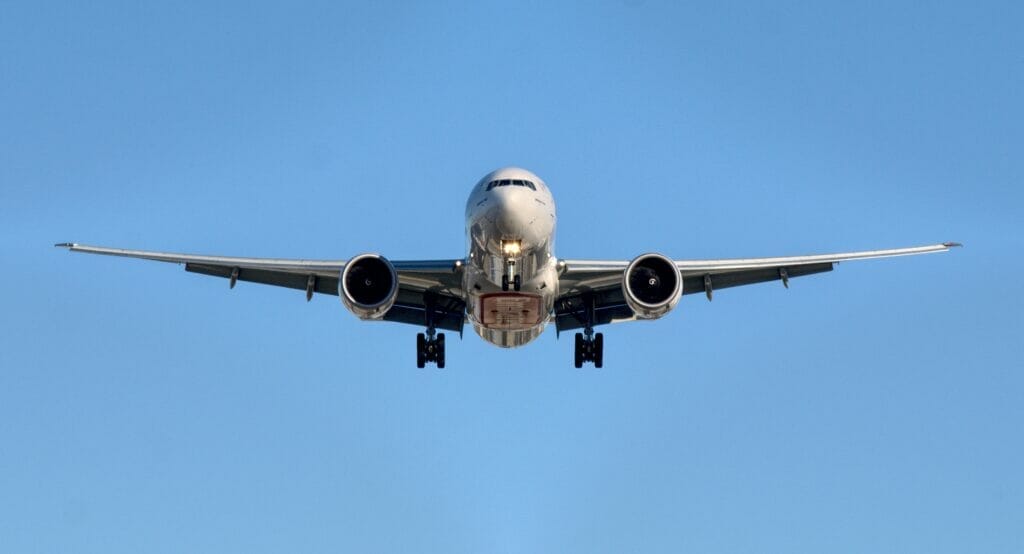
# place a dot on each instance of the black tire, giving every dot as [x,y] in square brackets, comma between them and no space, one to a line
[504,282]
[517,283]
[599,350]
[579,350]
[440,351]
[421,350]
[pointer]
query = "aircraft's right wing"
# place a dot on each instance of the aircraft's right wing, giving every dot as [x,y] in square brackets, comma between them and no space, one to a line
[601,280]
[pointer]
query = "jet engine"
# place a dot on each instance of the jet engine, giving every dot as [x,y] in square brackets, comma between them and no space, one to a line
[652,286]
[368,286]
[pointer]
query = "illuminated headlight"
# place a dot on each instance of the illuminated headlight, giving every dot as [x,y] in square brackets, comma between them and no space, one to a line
[511,247]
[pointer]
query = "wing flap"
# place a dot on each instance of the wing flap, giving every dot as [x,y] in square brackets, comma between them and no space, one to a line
[695,283]
[609,306]
[323,284]
[415,306]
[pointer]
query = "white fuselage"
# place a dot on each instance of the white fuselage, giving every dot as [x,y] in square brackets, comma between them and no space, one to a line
[510,226]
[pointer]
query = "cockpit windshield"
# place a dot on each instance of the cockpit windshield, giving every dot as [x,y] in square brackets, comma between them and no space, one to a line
[512,183]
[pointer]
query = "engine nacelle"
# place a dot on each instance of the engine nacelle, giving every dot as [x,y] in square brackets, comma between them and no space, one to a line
[368,286]
[652,286]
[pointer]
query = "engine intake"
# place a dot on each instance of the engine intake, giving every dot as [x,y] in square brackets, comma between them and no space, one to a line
[652,286]
[368,286]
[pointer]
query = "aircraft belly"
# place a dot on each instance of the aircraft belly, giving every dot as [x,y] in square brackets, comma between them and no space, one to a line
[507,318]
[510,311]
[508,339]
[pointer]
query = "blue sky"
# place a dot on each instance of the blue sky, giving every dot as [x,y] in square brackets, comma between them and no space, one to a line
[873,409]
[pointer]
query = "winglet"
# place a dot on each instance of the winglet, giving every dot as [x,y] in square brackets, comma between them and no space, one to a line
[66,244]
[952,244]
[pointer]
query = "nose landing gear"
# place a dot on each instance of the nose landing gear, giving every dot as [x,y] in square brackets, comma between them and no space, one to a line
[516,283]
[510,277]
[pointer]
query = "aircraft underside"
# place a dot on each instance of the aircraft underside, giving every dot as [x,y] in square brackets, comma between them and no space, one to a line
[509,285]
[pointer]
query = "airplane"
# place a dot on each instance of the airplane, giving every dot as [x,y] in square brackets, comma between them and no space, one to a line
[510,285]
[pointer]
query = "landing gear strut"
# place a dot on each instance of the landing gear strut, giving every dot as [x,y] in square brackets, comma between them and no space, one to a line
[510,277]
[430,348]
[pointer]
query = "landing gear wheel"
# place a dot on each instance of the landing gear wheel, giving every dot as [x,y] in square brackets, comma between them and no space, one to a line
[429,349]
[421,350]
[504,282]
[579,350]
[517,283]
[439,352]
[589,348]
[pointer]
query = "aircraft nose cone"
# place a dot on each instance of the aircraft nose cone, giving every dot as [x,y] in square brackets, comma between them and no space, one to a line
[509,225]
[507,212]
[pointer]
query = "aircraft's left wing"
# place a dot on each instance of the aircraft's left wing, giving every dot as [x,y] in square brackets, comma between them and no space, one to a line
[601,281]
[422,283]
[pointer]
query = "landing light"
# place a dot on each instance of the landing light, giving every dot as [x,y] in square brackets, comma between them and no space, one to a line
[511,247]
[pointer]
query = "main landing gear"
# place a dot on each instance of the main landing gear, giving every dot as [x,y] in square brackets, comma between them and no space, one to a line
[589,345]
[430,348]
[430,345]
[590,348]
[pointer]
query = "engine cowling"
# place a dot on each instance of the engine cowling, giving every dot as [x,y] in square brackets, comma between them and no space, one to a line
[652,286]
[368,286]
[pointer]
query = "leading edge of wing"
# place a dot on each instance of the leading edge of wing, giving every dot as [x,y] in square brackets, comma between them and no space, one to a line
[689,267]
[692,267]
[172,257]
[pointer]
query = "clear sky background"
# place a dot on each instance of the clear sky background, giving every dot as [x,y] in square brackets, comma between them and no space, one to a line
[877,408]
